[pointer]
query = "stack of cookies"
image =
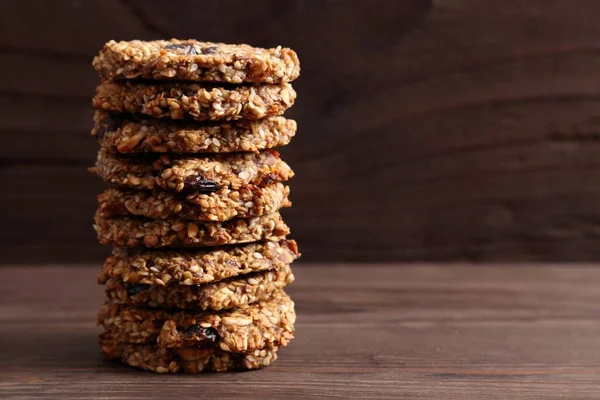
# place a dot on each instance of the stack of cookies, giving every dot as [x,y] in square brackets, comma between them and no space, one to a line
[200,259]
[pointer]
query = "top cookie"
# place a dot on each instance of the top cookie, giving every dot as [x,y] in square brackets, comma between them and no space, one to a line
[192,60]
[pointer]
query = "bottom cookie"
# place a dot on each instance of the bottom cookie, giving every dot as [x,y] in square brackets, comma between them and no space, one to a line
[189,360]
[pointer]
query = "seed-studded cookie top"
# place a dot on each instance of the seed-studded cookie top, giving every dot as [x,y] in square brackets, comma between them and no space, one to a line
[142,135]
[235,292]
[195,267]
[192,60]
[222,205]
[193,174]
[154,233]
[201,102]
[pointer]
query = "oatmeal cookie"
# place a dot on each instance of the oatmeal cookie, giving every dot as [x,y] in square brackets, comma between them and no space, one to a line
[191,60]
[189,360]
[193,174]
[259,325]
[223,205]
[200,102]
[175,232]
[128,134]
[195,267]
[228,293]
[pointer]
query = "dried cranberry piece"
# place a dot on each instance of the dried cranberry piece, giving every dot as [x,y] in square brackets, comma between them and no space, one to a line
[200,185]
[135,288]
[182,48]
[157,323]
[199,336]
[231,263]
[109,123]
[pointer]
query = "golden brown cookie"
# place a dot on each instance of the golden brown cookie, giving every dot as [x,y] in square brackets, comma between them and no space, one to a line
[191,60]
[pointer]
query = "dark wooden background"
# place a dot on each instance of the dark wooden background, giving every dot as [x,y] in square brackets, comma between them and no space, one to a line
[437,130]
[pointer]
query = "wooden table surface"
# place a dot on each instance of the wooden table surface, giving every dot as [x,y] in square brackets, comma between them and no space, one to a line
[480,118]
[389,331]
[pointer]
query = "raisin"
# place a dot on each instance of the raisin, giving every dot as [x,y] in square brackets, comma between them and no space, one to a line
[270,178]
[182,47]
[200,185]
[135,288]
[231,263]
[110,123]
[209,50]
[199,336]
[157,323]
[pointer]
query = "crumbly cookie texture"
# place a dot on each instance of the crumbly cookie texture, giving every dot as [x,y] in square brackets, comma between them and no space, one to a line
[190,360]
[200,102]
[229,293]
[127,134]
[137,231]
[259,325]
[193,174]
[193,267]
[191,60]
[247,202]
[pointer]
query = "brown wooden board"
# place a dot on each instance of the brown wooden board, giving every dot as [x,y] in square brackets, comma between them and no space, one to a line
[376,332]
[428,130]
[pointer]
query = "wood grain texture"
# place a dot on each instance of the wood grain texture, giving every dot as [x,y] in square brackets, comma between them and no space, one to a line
[428,332]
[429,130]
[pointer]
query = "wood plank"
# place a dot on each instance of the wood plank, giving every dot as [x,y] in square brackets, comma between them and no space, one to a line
[32,28]
[450,129]
[26,113]
[74,80]
[51,213]
[55,147]
[433,332]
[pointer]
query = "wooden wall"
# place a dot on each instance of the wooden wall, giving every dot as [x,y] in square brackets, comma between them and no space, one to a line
[438,130]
